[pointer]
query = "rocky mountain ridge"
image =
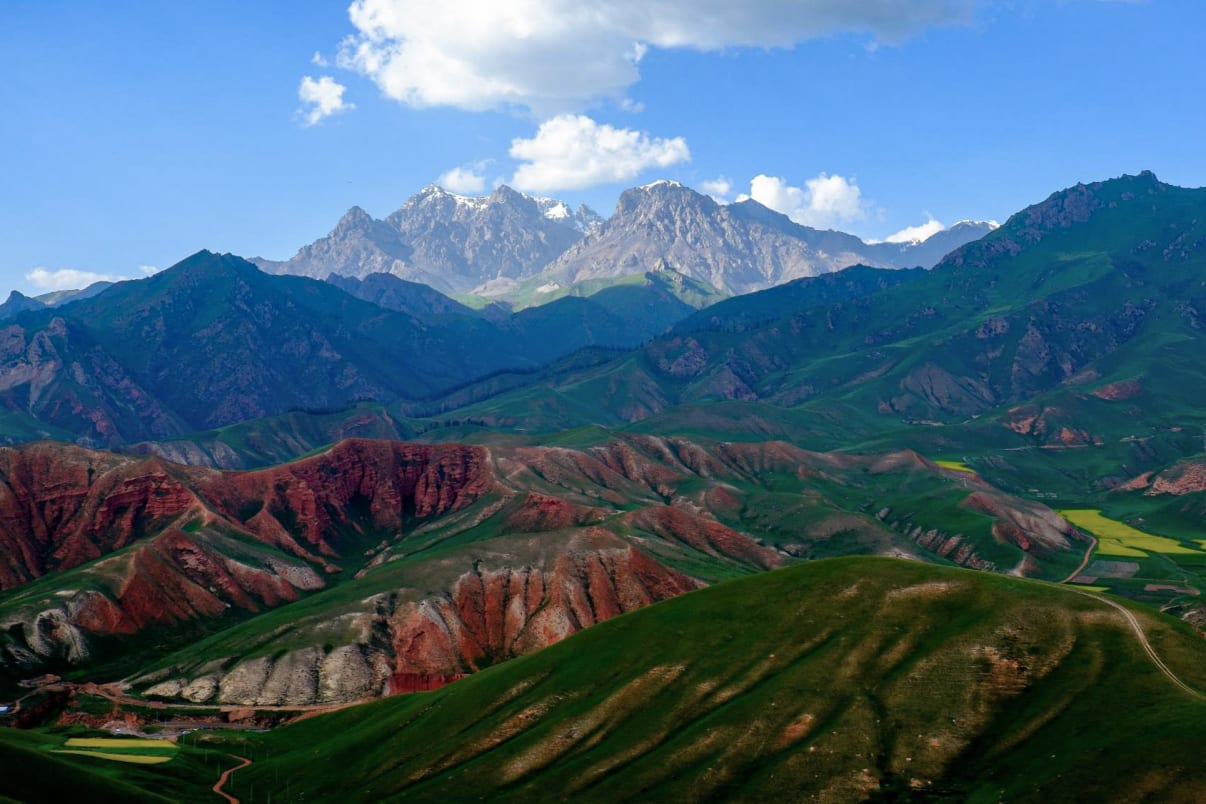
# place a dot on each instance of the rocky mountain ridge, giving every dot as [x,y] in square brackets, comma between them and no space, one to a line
[490,244]
[453,243]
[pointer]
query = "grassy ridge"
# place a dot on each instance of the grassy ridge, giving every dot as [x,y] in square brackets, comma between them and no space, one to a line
[841,679]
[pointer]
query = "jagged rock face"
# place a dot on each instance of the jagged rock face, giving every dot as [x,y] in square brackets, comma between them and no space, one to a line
[736,248]
[61,506]
[460,244]
[359,487]
[488,615]
[469,241]
[453,243]
[358,245]
[202,542]
[739,248]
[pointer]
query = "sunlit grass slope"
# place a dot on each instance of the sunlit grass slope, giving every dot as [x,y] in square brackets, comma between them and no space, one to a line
[840,679]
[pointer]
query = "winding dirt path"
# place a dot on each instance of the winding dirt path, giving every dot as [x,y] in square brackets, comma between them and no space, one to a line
[1147,646]
[225,777]
[1134,623]
[1087,558]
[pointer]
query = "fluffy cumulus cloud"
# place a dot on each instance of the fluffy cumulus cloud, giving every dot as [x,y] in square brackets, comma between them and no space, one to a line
[918,233]
[555,55]
[321,99]
[719,188]
[465,178]
[573,151]
[824,202]
[66,279]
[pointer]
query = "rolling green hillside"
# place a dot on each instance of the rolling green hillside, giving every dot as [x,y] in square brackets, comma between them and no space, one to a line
[838,680]
[213,341]
[841,680]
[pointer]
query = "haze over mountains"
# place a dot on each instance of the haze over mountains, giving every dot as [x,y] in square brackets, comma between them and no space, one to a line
[490,245]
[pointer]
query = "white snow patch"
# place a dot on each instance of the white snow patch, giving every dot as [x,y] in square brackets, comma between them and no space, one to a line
[558,212]
[661,183]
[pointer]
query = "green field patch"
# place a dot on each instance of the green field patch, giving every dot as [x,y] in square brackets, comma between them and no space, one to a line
[119,742]
[131,750]
[1120,539]
[956,466]
[132,759]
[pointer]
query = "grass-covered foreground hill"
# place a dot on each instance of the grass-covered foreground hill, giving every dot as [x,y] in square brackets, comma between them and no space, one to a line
[838,680]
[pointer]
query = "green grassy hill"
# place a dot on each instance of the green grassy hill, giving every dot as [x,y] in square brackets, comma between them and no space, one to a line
[837,680]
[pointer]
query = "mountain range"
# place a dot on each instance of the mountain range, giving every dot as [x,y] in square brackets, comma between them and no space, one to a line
[509,244]
[107,369]
[568,514]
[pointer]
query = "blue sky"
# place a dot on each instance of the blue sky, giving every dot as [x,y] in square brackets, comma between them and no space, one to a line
[135,133]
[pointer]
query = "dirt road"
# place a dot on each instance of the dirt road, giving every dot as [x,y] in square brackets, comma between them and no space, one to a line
[1085,562]
[1147,646]
[225,777]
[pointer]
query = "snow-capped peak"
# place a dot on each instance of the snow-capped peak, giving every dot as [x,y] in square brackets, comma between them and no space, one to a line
[660,183]
[553,209]
[436,191]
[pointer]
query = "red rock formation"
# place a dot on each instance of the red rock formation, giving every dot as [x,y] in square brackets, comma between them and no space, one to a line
[495,614]
[540,512]
[581,536]
[1187,477]
[1125,389]
[400,683]
[61,506]
[700,532]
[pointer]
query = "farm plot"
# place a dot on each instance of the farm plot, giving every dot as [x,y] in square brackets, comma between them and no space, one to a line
[1120,539]
[117,749]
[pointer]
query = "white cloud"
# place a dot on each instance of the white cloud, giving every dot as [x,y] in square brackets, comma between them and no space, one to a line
[918,233]
[557,55]
[719,188]
[66,279]
[824,202]
[149,270]
[573,151]
[324,97]
[318,60]
[469,178]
